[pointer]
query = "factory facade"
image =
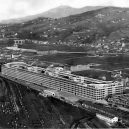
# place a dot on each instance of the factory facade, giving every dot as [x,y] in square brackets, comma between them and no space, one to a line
[62,80]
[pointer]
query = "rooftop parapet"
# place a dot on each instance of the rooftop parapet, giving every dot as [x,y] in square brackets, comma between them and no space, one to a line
[61,71]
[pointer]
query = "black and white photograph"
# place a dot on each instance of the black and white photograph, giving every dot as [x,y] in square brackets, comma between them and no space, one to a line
[64,64]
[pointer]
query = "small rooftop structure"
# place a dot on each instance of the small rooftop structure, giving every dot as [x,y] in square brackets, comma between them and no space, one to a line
[13,64]
[107,119]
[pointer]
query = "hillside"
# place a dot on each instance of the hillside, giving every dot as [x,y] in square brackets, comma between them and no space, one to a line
[102,25]
[64,11]
[58,12]
[21,107]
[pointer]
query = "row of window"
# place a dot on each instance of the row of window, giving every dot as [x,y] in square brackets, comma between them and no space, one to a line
[51,83]
[55,83]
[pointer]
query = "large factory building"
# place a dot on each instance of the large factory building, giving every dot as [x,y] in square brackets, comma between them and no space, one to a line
[61,80]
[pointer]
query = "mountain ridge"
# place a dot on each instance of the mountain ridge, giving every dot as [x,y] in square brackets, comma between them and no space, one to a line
[103,26]
[58,12]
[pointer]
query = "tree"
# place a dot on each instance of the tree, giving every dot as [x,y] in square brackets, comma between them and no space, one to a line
[10,42]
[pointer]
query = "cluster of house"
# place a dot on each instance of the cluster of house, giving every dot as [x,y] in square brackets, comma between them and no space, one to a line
[111,47]
[121,101]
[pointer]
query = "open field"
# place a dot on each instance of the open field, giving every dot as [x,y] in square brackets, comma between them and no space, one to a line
[62,58]
[95,74]
[107,62]
[53,47]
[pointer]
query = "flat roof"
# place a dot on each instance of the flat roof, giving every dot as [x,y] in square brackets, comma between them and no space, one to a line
[92,80]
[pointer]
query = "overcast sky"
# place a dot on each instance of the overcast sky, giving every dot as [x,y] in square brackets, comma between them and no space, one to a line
[19,8]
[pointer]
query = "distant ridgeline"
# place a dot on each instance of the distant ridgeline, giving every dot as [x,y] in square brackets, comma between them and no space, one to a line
[99,26]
